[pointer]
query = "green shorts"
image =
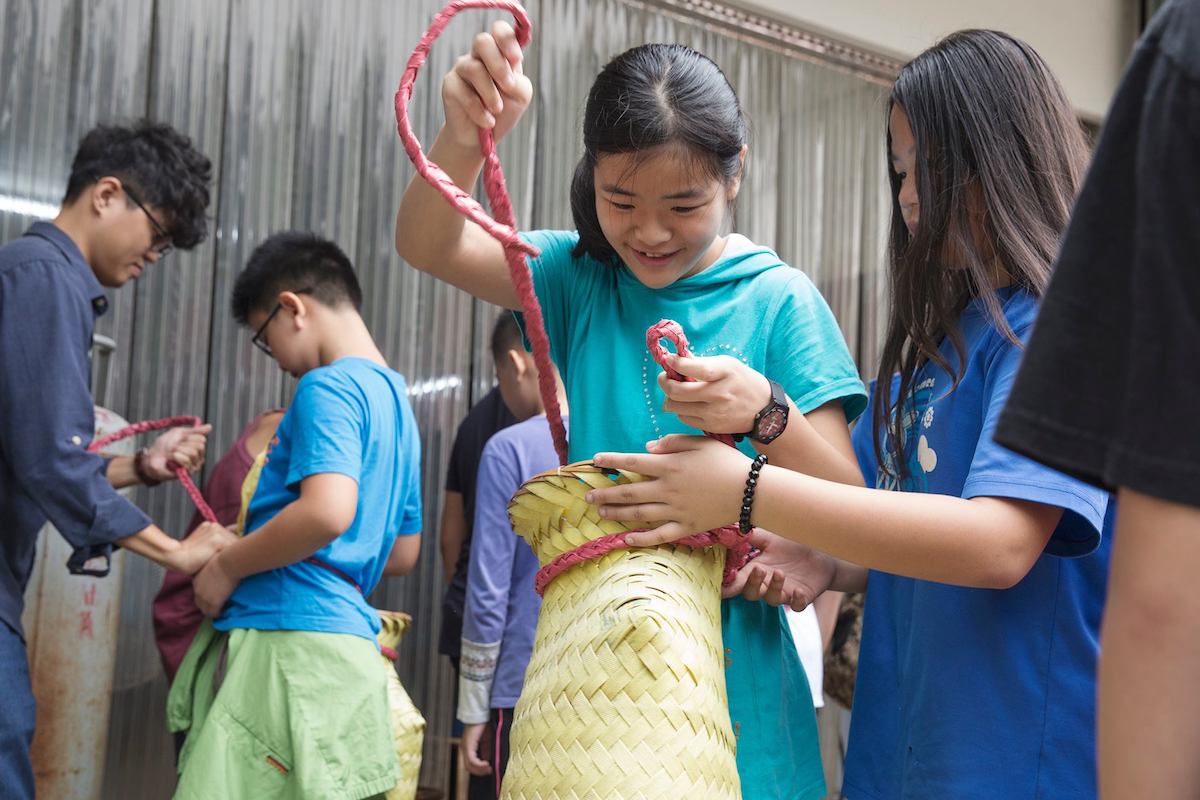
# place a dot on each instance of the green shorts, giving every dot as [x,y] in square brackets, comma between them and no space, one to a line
[276,715]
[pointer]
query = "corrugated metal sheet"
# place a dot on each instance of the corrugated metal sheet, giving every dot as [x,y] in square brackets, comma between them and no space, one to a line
[292,100]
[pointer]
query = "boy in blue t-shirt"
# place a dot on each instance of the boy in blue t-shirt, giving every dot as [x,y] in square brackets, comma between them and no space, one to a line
[301,709]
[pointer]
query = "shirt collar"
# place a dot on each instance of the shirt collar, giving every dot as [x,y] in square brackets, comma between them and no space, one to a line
[57,237]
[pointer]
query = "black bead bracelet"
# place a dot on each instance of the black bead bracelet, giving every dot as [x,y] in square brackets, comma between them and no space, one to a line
[748,496]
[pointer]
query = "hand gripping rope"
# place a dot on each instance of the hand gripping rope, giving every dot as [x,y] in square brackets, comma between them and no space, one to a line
[180,472]
[503,228]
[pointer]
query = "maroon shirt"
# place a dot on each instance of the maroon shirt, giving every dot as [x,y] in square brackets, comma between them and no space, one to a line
[176,618]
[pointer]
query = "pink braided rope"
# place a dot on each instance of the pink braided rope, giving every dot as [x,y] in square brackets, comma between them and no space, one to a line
[738,547]
[158,425]
[503,227]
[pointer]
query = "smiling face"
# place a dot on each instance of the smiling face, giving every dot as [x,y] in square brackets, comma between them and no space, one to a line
[661,213]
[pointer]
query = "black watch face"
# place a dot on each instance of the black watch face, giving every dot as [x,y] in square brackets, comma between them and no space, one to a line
[771,425]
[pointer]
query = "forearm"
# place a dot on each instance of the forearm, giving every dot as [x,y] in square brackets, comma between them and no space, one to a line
[291,536]
[121,472]
[153,543]
[1151,653]
[849,577]
[452,532]
[802,448]
[932,537]
[826,608]
[427,227]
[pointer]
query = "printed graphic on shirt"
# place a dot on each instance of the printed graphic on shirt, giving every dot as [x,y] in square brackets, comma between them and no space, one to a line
[920,457]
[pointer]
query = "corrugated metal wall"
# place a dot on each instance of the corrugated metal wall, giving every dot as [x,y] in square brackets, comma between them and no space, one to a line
[292,99]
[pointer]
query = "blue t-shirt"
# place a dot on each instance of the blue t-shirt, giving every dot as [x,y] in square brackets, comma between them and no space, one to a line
[352,418]
[501,604]
[749,305]
[981,693]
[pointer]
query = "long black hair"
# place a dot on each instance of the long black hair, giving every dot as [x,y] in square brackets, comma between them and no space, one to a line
[999,158]
[647,97]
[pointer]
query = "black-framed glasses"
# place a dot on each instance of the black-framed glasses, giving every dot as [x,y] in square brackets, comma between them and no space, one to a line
[162,240]
[258,340]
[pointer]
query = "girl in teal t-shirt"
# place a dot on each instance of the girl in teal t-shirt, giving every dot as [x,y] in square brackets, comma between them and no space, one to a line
[664,149]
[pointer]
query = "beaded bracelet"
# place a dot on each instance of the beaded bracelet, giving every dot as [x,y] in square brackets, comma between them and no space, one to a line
[744,525]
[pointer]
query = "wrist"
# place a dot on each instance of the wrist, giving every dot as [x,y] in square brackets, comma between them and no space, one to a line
[228,565]
[171,553]
[744,523]
[771,421]
[141,468]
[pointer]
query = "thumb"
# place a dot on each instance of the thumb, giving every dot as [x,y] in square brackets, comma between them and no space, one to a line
[700,369]
[739,582]
[664,534]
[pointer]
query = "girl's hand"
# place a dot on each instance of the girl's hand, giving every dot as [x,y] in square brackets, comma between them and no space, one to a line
[486,88]
[695,484]
[785,573]
[725,397]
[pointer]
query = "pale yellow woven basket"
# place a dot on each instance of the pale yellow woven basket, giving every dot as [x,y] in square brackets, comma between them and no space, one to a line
[408,726]
[624,696]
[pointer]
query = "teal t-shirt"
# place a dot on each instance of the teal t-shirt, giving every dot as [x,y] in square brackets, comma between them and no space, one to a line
[749,305]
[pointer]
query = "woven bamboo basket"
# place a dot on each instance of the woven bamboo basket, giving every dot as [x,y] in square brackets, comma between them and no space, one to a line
[624,696]
[408,726]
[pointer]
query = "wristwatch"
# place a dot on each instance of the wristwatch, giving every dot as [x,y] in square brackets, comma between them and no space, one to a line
[772,420]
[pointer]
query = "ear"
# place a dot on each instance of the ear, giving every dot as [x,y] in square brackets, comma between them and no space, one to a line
[105,195]
[735,185]
[295,304]
[516,361]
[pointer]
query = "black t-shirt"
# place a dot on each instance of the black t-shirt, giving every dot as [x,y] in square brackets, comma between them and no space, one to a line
[483,420]
[1109,389]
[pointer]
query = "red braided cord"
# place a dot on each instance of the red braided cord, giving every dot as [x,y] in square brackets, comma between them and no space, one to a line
[503,229]
[739,549]
[180,472]
[503,226]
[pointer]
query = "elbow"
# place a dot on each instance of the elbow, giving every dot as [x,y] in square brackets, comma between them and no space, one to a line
[1006,568]
[404,555]
[409,243]
[330,523]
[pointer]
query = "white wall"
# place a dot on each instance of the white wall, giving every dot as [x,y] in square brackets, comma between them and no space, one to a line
[1085,42]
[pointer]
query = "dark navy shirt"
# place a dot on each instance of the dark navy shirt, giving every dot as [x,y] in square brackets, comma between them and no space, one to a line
[49,301]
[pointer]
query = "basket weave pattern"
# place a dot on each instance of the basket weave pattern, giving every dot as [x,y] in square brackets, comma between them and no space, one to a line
[624,696]
[408,726]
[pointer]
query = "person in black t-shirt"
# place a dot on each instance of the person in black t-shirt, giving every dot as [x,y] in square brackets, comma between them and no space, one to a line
[1110,390]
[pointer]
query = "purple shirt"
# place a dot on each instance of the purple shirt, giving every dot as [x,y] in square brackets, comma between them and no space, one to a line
[501,604]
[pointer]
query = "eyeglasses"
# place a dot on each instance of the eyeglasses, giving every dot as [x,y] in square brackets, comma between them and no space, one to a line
[258,340]
[162,240]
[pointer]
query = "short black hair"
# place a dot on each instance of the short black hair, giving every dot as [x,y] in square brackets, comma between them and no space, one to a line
[291,261]
[159,164]
[506,335]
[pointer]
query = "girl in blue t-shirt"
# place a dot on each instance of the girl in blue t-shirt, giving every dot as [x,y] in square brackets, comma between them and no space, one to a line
[986,570]
[664,150]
